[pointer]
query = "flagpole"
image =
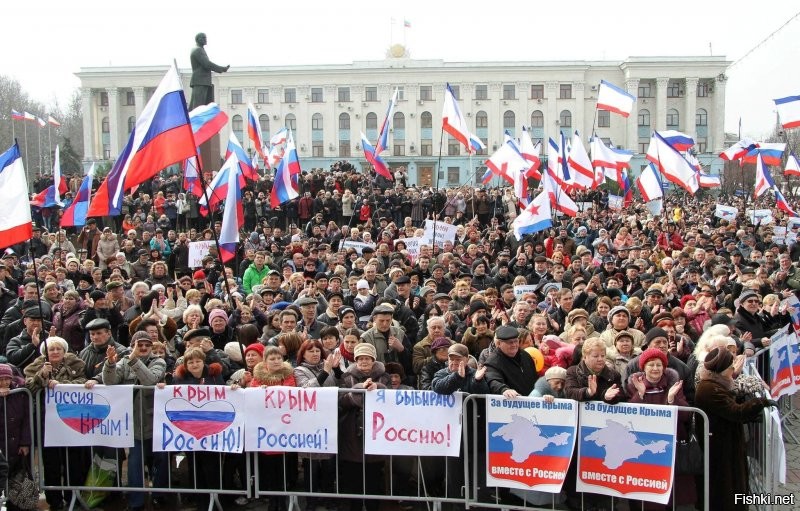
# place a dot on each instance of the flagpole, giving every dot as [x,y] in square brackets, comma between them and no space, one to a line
[13,130]
[436,188]
[27,166]
[49,141]
[40,148]
[211,216]
[38,298]
[474,214]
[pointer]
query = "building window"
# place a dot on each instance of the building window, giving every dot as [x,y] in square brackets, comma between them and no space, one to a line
[673,90]
[481,92]
[237,126]
[291,122]
[131,124]
[565,91]
[399,121]
[130,98]
[703,89]
[701,145]
[236,96]
[453,147]
[263,95]
[509,91]
[453,175]
[370,94]
[290,95]
[103,98]
[509,120]
[456,91]
[105,125]
[316,122]
[263,122]
[317,149]
[701,117]
[537,119]
[106,151]
[316,94]
[603,119]
[401,96]
[425,92]
[426,120]
[644,118]
[399,148]
[565,118]
[344,149]
[537,91]
[481,120]
[426,147]
[372,121]
[645,90]
[343,94]
[643,146]
[344,121]
[673,119]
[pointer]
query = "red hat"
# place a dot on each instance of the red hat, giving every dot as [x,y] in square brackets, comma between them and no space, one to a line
[687,298]
[649,354]
[199,275]
[257,347]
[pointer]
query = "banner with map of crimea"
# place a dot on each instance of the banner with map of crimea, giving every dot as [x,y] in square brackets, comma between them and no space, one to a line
[627,450]
[529,442]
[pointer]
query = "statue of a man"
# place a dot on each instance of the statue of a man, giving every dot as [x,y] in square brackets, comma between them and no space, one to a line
[202,88]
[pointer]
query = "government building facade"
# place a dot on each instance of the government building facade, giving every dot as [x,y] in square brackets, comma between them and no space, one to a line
[328,106]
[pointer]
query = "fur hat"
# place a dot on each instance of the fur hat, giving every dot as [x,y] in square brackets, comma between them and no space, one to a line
[233,351]
[365,348]
[718,360]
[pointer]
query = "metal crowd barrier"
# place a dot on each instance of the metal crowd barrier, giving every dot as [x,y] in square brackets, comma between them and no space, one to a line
[760,434]
[479,495]
[430,482]
[13,458]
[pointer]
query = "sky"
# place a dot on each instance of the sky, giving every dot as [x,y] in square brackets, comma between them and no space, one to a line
[45,41]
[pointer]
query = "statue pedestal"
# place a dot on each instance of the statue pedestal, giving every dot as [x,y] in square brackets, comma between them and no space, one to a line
[210,154]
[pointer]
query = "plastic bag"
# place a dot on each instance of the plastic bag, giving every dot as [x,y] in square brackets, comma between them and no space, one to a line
[103,473]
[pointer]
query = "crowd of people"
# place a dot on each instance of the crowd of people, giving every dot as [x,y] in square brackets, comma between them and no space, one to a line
[619,306]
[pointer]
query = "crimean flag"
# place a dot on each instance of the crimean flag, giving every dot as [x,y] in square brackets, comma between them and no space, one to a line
[15,215]
[612,98]
[792,166]
[162,136]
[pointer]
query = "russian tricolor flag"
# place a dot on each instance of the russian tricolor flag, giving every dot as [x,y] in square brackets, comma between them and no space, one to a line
[248,169]
[680,141]
[162,136]
[217,189]
[15,215]
[191,178]
[535,217]
[17,116]
[207,121]
[374,159]
[233,217]
[738,150]
[788,111]
[75,214]
[612,98]
[284,188]
[782,203]
[672,164]
[254,131]
[771,153]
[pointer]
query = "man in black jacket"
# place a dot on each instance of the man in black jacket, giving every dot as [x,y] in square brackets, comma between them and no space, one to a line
[510,371]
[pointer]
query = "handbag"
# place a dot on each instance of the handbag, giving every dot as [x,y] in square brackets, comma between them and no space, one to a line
[689,454]
[23,491]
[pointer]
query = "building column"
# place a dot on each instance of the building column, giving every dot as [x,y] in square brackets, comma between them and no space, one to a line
[690,107]
[661,103]
[523,97]
[113,121]
[495,113]
[551,129]
[632,122]
[88,124]
[718,122]
[579,121]
[138,98]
